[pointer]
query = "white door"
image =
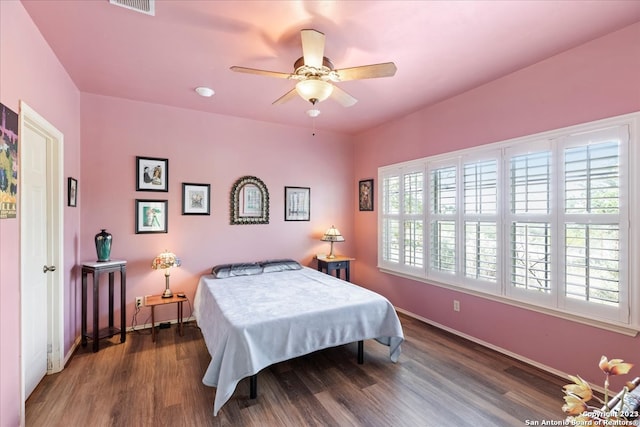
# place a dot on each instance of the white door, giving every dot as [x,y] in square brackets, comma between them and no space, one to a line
[40,248]
[34,243]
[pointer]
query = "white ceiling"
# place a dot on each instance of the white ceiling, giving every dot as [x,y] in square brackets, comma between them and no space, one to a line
[441,49]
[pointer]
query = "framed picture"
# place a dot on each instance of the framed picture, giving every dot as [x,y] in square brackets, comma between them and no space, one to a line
[72,192]
[151,216]
[365,195]
[152,174]
[195,199]
[249,201]
[9,165]
[297,203]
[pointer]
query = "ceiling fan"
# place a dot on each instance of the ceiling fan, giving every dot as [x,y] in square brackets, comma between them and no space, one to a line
[314,73]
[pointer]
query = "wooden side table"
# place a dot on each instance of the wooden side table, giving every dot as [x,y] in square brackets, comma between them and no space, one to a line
[154,300]
[96,268]
[336,264]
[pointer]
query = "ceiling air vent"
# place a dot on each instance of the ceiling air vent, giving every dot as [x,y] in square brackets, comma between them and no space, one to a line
[143,6]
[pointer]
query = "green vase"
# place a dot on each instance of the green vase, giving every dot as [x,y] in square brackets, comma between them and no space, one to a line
[103,245]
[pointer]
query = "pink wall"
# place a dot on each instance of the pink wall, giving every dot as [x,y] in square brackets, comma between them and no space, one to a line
[29,71]
[596,80]
[209,149]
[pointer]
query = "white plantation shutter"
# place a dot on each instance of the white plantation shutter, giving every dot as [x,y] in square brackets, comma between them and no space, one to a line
[530,256]
[402,220]
[481,240]
[592,270]
[481,187]
[542,220]
[413,243]
[480,257]
[444,200]
[529,216]
[390,238]
[414,219]
[592,178]
[594,222]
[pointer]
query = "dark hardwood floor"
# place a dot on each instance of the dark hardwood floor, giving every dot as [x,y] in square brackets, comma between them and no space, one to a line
[440,380]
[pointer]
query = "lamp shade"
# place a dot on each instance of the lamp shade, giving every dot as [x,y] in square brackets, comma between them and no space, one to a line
[165,260]
[314,90]
[332,235]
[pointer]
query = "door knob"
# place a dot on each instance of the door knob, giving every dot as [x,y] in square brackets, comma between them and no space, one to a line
[48,268]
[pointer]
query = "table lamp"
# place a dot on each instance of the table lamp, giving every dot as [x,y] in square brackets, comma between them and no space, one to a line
[332,235]
[165,261]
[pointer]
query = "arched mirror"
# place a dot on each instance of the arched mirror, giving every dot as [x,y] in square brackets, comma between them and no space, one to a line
[249,201]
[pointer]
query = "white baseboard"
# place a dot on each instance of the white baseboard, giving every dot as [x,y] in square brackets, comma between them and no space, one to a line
[78,339]
[506,352]
[485,344]
[72,349]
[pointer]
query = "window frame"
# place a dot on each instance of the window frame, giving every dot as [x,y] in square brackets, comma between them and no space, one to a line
[532,146]
[432,217]
[482,156]
[625,318]
[626,180]
[401,217]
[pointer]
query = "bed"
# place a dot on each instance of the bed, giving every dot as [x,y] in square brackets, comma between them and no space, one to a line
[253,315]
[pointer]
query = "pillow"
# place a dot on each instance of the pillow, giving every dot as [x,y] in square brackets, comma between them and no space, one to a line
[240,269]
[274,265]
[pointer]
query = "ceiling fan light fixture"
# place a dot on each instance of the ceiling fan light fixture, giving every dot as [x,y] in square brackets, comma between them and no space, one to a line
[314,90]
[314,72]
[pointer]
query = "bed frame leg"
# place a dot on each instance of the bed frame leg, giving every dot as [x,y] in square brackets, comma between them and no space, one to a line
[253,386]
[253,379]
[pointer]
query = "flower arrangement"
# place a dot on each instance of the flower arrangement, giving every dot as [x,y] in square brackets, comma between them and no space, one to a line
[612,412]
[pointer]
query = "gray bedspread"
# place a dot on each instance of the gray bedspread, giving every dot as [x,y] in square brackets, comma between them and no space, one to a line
[252,322]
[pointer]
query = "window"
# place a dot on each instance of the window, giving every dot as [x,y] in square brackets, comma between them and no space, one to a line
[481,236]
[391,219]
[443,186]
[529,219]
[541,221]
[594,223]
[402,220]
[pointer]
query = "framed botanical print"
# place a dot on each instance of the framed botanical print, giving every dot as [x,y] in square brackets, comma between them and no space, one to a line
[151,216]
[195,199]
[152,174]
[365,195]
[297,203]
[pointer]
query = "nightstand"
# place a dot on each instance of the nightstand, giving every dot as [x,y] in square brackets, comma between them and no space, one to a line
[95,269]
[335,264]
[154,300]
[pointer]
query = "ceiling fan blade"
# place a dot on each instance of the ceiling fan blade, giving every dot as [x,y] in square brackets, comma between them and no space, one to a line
[260,72]
[286,97]
[312,48]
[386,69]
[342,97]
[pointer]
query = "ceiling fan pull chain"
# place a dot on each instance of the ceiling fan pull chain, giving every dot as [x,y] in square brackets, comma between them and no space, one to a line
[313,113]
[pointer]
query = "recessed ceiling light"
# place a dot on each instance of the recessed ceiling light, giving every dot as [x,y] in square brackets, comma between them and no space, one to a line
[205,91]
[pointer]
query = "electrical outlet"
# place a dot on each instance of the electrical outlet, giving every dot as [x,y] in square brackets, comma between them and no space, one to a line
[456,305]
[139,302]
